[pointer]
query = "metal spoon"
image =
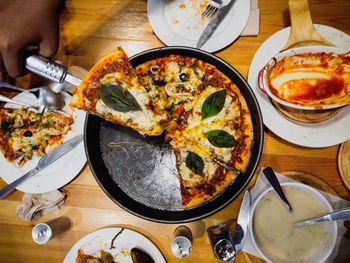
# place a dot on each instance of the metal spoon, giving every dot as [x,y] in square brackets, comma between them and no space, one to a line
[45,95]
[272,178]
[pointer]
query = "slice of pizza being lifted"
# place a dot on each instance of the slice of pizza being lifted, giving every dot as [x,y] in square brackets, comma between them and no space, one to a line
[112,91]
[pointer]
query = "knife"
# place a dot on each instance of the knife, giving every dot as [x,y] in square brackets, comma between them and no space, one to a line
[50,70]
[242,222]
[213,24]
[342,214]
[43,163]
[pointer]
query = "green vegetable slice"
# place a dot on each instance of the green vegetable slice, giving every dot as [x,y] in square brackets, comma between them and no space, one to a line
[117,98]
[195,163]
[213,104]
[220,138]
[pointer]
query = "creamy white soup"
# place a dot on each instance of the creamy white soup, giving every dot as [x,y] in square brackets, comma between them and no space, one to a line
[274,231]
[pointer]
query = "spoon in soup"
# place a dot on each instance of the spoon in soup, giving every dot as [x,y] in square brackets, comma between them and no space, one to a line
[273,180]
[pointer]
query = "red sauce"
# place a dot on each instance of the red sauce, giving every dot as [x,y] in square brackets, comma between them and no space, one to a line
[322,89]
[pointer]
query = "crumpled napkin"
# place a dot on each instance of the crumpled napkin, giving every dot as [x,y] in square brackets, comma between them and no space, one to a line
[36,205]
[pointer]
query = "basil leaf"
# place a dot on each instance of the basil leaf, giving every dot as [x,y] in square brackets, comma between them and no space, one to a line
[220,138]
[117,98]
[195,163]
[213,104]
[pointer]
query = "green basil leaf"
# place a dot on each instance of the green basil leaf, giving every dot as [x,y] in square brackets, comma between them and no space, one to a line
[195,163]
[213,104]
[117,98]
[220,138]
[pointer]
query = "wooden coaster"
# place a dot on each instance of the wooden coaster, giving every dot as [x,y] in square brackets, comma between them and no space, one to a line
[310,180]
[305,116]
[344,163]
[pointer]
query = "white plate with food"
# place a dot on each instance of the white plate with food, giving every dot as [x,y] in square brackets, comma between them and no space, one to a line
[116,241]
[180,22]
[57,174]
[310,135]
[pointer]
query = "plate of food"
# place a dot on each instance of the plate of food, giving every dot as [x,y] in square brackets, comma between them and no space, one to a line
[114,245]
[299,126]
[180,22]
[196,131]
[27,135]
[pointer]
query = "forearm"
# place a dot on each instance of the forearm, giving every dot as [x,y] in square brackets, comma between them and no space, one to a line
[27,23]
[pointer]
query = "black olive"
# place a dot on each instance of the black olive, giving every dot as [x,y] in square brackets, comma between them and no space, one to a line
[5,125]
[183,77]
[27,133]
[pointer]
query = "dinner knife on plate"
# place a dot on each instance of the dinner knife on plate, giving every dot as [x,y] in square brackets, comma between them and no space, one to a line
[214,24]
[44,161]
[342,214]
[50,70]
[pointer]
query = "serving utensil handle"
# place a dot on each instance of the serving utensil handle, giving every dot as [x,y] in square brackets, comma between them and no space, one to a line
[272,178]
[343,214]
[46,68]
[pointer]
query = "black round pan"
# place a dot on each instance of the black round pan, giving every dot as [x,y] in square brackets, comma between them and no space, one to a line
[139,173]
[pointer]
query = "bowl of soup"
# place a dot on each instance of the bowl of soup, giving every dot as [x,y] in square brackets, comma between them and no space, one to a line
[272,231]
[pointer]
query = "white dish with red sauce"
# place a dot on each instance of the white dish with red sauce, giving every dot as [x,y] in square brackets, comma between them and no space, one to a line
[308,135]
[308,78]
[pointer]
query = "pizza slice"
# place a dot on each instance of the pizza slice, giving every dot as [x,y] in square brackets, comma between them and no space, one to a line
[112,91]
[24,133]
[217,136]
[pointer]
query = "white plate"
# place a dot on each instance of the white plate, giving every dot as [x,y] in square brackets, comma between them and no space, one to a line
[179,23]
[57,174]
[101,239]
[324,134]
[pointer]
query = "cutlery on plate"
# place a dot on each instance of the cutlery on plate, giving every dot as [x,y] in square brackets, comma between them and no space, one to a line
[50,70]
[45,161]
[272,178]
[212,8]
[227,250]
[342,214]
[44,95]
[214,23]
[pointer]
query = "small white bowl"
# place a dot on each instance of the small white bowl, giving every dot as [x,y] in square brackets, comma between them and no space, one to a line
[263,77]
[326,249]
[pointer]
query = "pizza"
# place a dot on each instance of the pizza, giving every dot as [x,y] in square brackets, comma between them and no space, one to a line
[200,110]
[112,91]
[105,257]
[25,133]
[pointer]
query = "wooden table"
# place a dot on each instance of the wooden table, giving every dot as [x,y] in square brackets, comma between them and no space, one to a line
[90,29]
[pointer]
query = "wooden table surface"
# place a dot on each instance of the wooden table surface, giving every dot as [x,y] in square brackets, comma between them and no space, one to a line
[90,29]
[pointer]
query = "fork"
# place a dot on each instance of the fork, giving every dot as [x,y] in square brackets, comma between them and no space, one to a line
[212,8]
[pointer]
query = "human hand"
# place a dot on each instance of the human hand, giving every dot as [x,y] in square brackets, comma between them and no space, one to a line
[26,24]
